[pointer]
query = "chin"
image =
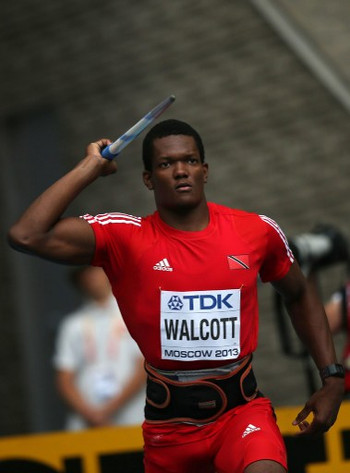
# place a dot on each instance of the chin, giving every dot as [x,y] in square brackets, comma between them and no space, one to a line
[185,204]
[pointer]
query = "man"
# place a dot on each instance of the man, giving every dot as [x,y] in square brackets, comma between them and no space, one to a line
[99,368]
[185,280]
[338,313]
[337,309]
[325,245]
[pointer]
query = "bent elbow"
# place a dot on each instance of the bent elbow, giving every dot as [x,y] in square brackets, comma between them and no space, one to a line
[19,239]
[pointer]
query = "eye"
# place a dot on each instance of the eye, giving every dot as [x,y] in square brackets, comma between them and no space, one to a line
[192,160]
[164,164]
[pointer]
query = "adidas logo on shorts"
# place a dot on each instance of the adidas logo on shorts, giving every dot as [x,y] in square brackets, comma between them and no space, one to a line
[249,430]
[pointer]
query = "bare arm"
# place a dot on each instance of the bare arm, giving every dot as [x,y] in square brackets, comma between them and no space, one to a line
[333,307]
[66,386]
[334,312]
[99,415]
[309,319]
[41,230]
[135,383]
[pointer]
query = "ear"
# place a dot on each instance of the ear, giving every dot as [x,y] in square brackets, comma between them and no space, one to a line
[147,179]
[205,172]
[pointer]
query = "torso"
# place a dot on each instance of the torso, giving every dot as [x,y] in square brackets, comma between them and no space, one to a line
[189,299]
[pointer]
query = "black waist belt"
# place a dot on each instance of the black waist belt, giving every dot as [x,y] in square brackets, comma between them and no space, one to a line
[199,401]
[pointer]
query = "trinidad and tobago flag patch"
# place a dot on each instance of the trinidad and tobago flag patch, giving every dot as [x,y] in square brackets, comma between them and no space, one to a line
[238,261]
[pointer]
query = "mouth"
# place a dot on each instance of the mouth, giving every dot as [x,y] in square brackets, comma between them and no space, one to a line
[183,187]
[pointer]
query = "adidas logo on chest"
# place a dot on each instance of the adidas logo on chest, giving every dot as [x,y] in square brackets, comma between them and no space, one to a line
[163,265]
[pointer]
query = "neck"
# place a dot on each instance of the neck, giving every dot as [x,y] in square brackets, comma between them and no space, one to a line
[187,219]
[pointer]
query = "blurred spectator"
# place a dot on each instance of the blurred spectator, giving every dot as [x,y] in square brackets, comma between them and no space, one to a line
[321,248]
[338,314]
[100,372]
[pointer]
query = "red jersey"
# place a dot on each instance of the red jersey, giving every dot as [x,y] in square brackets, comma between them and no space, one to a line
[189,299]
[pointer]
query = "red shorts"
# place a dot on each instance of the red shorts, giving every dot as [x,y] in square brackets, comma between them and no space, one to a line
[239,437]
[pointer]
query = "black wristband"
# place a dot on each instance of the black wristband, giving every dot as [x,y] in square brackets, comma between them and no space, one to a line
[335,370]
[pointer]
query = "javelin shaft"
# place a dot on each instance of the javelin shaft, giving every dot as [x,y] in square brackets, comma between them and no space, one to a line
[114,149]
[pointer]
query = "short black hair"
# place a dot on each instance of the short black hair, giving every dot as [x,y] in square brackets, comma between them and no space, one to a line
[167,128]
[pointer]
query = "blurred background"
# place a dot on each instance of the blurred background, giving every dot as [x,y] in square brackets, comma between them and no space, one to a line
[266,84]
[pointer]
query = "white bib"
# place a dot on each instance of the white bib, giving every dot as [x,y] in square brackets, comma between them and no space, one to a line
[104,385]
[200,325]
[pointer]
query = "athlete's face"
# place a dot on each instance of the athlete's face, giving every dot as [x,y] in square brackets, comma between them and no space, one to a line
[178,175]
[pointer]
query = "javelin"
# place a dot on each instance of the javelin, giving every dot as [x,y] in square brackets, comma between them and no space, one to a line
[111,151]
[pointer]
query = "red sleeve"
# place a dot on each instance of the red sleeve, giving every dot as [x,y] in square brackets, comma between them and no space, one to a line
[278,257]
[112,233]
[100,246]
[105,240]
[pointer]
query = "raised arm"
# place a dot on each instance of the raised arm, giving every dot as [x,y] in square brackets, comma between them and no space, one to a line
[310,322]
[41,230]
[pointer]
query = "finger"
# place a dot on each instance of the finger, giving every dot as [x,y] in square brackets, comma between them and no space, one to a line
[313,428]
[309,429]
[301,416]
[303,425]
[104,142]
[97,146]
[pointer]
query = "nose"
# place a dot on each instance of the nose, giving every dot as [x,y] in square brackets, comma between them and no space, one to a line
[180,169]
